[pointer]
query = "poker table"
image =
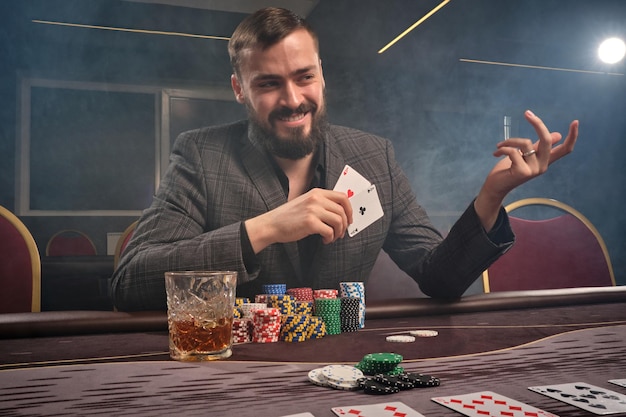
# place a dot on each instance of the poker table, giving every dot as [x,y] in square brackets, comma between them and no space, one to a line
[113,363]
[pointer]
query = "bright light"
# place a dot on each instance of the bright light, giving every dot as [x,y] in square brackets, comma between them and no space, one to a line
[612,50]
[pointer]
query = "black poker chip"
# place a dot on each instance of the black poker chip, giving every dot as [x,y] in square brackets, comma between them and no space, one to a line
[419,380]
[394,381]
[371,386]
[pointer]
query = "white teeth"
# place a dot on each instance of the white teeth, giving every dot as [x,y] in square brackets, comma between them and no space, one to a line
[293,118]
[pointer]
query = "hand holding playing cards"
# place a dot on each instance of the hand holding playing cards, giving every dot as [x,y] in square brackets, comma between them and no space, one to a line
[525,160]
[324,212]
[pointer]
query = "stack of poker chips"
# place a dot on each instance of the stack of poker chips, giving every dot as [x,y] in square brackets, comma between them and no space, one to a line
[267,324]
[274,289]
[303,300]
[301,294]
[329,310]
[238,310]
[283,302]
[294,328]
[249,308]
[242,330]
[317,328]
[380,363]
[349,314]
[357,290]
[323,293]
[342,377]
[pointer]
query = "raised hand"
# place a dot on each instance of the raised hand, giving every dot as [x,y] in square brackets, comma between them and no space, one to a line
[524,160]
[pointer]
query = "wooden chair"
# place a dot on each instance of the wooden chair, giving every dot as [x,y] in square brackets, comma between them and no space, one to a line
[20,267]
[70,242]
[122,242]
[565,251]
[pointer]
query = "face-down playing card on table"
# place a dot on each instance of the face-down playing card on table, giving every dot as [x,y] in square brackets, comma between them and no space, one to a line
[589,397]
[388,409]
[488,404]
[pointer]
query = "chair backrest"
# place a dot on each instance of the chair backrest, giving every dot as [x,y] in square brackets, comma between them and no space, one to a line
[20,266]
[565,251]
[122,242]
[70,242]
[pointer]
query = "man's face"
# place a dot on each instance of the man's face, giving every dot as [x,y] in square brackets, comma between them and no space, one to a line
[283,90]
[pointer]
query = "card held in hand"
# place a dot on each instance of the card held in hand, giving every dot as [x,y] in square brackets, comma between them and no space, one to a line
[351,182]
[366,209]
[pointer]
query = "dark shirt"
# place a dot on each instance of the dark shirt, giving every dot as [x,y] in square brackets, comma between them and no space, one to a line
[307,246]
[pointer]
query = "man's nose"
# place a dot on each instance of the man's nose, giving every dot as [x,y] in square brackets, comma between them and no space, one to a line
[291,96]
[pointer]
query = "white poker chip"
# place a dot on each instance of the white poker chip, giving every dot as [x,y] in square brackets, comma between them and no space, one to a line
[401,339]
[424,333]
[341,374]
[316,377]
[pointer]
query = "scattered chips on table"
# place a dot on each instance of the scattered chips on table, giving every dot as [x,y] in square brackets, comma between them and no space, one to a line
[401,338]
[424,333]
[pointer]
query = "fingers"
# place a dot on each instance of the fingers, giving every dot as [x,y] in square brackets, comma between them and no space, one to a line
[324,212]
[542,152]
[545,137]
[568,144]
[334,214]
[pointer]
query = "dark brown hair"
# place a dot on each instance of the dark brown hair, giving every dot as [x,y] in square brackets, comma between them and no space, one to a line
[263,29]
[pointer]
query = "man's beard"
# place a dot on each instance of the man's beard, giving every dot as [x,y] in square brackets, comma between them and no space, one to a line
[297,145]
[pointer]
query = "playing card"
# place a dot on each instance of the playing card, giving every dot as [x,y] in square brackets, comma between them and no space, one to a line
[390,409]
[366,209]
[620,382]
[586,396]
[351,182]
[487,404]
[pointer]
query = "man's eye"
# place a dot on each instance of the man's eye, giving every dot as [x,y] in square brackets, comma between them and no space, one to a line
[268,84]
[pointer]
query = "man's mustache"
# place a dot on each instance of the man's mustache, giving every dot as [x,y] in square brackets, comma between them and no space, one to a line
[284,112]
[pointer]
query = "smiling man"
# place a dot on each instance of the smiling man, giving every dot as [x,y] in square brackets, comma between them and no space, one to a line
[257,197]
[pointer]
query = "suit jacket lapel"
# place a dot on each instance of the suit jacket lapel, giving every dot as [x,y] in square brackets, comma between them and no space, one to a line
[261,172]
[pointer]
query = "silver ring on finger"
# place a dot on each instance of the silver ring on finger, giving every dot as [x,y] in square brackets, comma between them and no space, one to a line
[528,153]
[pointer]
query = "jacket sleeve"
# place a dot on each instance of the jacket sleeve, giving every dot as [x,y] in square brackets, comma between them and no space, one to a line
[443,267]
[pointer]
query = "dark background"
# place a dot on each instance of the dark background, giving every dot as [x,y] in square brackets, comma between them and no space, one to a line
[443,115]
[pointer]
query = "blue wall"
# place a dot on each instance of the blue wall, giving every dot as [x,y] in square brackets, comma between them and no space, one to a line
[444,116]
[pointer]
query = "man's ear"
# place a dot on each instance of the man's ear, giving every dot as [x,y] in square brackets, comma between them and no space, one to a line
[237,89]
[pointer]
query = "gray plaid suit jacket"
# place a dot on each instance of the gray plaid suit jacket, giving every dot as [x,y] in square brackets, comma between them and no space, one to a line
[218,178]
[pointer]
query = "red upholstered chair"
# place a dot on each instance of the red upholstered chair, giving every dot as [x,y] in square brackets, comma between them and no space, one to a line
[122,242]
[20,266]
[565,251]
[70,242]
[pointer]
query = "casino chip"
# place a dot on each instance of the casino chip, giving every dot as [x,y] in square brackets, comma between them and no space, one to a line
[424,333]
[372,386]
[394,381]
[401,338]
[316,377]
[420,380]
[379,363]
[343,377]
